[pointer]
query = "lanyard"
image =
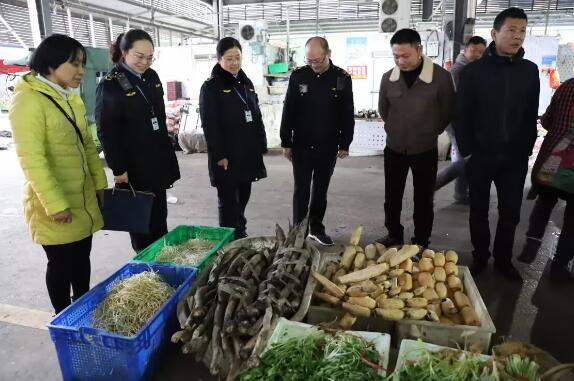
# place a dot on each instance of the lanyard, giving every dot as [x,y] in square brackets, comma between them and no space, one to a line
[241,97]
[147,101]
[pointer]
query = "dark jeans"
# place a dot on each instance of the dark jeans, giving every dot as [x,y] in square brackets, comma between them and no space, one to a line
[232,201]
[68,266]
[158,223]
[455,171]
[423,167]
[508,175]
[547,199]
[316,167]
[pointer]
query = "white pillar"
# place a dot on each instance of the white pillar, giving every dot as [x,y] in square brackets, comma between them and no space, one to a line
[70,24]
[92,31]
[111,29]
[34,22]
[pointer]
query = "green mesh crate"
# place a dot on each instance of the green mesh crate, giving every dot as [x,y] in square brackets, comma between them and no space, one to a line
[184,233]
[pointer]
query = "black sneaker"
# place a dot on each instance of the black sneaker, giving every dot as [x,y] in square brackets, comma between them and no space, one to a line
[559,273]
[389,241]
[322,239]
[478,267]
[529,251]
[507,270]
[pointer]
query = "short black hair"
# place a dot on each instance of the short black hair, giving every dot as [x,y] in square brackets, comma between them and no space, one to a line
[406,36]
[54,51]
[509,13]
[322,41]
[125,41]
[225,44]
[476,40]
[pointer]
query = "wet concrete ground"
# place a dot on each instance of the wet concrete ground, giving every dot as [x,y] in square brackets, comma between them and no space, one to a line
[537,311]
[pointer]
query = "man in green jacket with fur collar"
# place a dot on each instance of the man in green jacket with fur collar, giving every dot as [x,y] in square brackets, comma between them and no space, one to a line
[416,104]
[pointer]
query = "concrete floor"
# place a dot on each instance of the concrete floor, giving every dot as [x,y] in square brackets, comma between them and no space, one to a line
[536,311]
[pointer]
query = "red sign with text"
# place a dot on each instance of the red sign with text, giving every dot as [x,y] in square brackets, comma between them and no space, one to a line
[357,72]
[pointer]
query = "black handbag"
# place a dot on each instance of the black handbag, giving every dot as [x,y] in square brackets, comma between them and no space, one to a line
[127,210]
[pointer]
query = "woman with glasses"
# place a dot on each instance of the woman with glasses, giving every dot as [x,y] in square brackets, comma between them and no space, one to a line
[130,114]
[235,134]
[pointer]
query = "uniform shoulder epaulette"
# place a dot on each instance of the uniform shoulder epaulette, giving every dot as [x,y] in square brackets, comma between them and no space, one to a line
[209,79]
[111,75]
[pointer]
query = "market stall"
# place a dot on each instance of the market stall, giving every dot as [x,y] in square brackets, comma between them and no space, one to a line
[276,308]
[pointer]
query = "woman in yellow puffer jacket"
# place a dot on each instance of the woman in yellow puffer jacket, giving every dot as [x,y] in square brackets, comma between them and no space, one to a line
[60,163]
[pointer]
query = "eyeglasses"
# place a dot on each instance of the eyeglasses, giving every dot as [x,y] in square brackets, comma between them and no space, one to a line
[142,58]
[316,61]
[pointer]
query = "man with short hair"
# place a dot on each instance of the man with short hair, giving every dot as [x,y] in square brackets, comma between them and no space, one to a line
[472,52]
[416,104]
[497,108]
[317,128]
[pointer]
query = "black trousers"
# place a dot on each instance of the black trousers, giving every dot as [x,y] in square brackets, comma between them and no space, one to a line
[547,199]
[158,223]
[423,167]
[68,266]
[232,201]
[508,175]
[312,171]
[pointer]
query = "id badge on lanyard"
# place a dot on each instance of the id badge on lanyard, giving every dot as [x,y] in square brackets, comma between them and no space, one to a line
[248,113]
[154,121]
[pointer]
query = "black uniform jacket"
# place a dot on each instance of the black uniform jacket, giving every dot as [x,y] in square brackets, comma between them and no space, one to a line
[125,106]
[225,102]
[318,110]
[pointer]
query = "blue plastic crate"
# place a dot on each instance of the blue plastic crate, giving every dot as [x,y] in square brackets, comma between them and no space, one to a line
[86,353]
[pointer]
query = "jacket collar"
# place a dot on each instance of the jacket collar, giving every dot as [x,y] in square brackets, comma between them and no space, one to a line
[124,66]
[30,80]
[425,75]
[330,68]
[62,91]
[462,59]
[226,76]
[491,54]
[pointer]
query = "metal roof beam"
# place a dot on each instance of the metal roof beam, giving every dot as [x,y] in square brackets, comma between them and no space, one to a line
[159,10]
[140,20]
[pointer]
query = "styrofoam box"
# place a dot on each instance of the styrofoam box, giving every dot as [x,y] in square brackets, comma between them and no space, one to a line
[410,351]
[287,328]
[463,336]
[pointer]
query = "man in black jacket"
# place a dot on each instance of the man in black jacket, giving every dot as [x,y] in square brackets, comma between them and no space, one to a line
[317,127]
[497,114]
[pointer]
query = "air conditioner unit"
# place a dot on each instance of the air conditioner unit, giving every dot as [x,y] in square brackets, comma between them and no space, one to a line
[394,15]
[246,32]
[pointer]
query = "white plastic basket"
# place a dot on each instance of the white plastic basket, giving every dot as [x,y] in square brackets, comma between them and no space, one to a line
[286,329]
[369,138]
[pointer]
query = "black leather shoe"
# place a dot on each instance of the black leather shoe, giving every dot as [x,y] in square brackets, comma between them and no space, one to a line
[389,241]
[424,243]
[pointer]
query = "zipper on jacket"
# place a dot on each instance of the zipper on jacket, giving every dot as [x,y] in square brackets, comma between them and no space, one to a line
[505,108]
[84,172]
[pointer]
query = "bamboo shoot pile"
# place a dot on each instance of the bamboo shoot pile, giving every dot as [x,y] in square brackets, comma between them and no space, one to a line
[388,283]
[230,311]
